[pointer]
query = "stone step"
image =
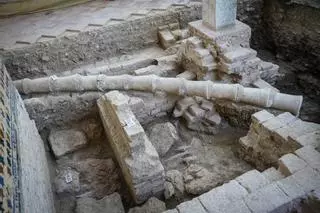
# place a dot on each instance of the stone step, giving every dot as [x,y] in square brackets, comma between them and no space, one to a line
[239,54]
[290,163]
[310,156]
[272,174]
[224,198]
[252,180]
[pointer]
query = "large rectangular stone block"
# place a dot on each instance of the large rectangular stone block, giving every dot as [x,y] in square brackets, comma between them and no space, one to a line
[218,14]
[138,159]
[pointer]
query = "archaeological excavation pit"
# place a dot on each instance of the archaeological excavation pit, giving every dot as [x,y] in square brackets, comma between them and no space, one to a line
[174,108]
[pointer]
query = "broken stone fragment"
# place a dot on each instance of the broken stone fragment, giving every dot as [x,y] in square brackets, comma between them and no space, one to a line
[168,190]
[66,141]
[153,205]
[176,179]
[163,136]
[198,180]
[110,204]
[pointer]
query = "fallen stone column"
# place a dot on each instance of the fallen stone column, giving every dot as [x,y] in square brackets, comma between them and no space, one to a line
[137,158]
[208,89]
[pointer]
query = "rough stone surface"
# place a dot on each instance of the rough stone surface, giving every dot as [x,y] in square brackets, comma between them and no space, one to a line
[153,205]
[191,207]
[252,180]
[110,204]
[163,136]
[138,159]
[98,177]
[222,198]
[176,179]
[67,182]
[309,155]
[290,163]
[66,141]
[198,180]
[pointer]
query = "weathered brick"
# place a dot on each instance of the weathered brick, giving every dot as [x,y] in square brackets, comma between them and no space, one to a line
[290,163]
[252,180]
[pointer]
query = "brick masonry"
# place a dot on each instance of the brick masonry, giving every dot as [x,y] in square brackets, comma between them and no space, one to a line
[283,188]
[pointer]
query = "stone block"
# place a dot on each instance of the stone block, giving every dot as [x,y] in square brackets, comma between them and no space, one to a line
[163,136]
[221,197]
[66,141]
[309,139]
[272,174]
[138,159]
[300,128]
[290,163]
[196,111]
[252,180]
[261,116]
[238,55]
[110,204]
[191,207]
[214,119]
[308,179]
[291,188]
[188,75]
[166,38]
[183,105]
[310,155]
[226,38]
[268,199]
[218,14]
[194,42]
[207,105]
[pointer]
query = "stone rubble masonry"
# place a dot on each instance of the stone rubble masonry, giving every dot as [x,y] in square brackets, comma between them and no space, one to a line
[237,61]
[199,113]
[138,159]
[271,137]
[94,45]
[282,189]
[171,33]
[255,192]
